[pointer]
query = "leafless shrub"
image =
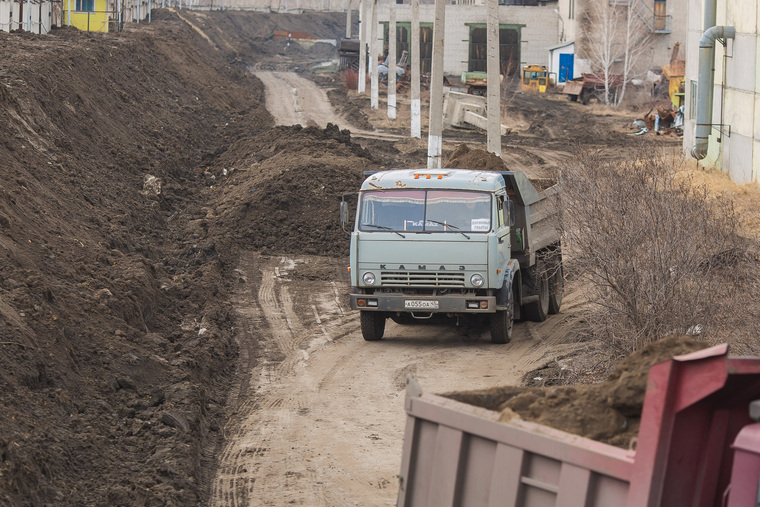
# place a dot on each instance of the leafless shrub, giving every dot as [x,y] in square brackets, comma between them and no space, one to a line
[655,252]
[350,79]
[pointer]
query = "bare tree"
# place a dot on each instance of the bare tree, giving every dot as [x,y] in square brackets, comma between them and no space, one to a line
[603,26]
[637,42]
[655,252]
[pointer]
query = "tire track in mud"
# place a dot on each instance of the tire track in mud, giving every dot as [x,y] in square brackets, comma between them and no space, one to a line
[256,467]
[320,418]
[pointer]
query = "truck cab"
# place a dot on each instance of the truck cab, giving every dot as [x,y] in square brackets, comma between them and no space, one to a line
[437,241]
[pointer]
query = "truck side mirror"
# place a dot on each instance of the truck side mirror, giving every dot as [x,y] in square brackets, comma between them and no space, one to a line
[510,213]
[343,214]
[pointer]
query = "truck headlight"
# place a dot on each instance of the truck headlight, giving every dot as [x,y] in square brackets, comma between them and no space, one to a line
[369,278]
[476,280]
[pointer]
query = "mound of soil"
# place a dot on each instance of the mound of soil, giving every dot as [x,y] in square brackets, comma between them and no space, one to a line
[608,412]
[285,188]
[118,231]
[480,160]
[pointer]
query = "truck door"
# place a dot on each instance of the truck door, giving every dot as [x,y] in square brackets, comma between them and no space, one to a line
[504,220]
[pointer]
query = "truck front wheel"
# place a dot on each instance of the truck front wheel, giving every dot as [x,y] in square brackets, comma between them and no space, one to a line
[373,325]
[502,323]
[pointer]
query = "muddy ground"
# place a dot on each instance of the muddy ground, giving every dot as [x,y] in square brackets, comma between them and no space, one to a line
[136,167]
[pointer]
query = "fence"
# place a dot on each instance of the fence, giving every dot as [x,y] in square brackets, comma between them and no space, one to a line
[35,17]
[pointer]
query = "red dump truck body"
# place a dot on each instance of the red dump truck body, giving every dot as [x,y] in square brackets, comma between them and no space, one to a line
[695,426]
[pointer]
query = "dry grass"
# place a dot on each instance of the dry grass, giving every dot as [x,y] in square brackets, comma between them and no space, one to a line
[662,250]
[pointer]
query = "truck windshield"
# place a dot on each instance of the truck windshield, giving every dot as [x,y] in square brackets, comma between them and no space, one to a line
[425,211]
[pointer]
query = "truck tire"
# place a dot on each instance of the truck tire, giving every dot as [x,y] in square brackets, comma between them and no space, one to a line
[502,323]
[585,96]
[373,325]
[538,310]
[556,289]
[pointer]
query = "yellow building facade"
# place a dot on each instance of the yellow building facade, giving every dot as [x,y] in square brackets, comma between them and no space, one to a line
[86,15]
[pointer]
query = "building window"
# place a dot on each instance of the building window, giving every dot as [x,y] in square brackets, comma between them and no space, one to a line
[660,15]
[509,49]
[404,40]
[85,5]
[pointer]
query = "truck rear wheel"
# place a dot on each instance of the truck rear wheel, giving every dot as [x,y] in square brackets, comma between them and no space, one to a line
[556,289]
[502,323]
[538,310]
[373,325]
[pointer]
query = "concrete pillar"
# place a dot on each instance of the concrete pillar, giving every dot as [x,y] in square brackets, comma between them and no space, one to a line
[414,65]
[493,91]
[392,61]
[373,52]
[348,23]
[361,86]
[435,130]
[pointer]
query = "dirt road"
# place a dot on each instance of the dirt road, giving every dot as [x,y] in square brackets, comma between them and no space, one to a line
[296,100]
[320,415]
[320,418]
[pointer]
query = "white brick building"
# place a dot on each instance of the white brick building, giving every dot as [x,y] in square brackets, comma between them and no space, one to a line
[733,144]
[526,31]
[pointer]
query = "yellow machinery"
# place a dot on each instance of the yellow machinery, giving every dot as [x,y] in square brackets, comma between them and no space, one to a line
[537,78]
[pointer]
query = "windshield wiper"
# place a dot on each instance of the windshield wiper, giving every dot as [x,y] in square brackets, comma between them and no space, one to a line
[450,226]
[382,227]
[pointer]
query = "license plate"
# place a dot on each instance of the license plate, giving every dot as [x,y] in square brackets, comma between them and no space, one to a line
[420,304]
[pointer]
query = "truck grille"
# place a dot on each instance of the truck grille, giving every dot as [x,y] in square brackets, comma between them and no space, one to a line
[421,278]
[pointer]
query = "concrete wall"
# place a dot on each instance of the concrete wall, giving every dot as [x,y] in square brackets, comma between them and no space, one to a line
[735,147]
[38,22]
[538,31]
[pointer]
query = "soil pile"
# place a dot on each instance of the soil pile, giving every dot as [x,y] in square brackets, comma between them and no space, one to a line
[116,341]
[608,412]
[285,187]
[465,158]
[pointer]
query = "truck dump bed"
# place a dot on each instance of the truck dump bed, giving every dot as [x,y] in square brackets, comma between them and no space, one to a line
[695,406]
[459,454]
[536,211]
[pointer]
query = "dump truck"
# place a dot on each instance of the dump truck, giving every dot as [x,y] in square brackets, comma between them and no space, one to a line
[456,243]
[698,445]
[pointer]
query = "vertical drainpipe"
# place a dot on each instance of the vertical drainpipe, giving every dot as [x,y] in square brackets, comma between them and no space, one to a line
[705,81]
[705,86]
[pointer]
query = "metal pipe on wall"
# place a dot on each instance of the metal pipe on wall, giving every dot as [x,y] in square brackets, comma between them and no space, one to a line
[705,86]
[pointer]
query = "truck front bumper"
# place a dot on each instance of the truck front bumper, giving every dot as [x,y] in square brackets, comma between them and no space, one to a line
[423,304]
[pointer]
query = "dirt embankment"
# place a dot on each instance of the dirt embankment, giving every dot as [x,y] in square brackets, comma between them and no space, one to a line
[115,334]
